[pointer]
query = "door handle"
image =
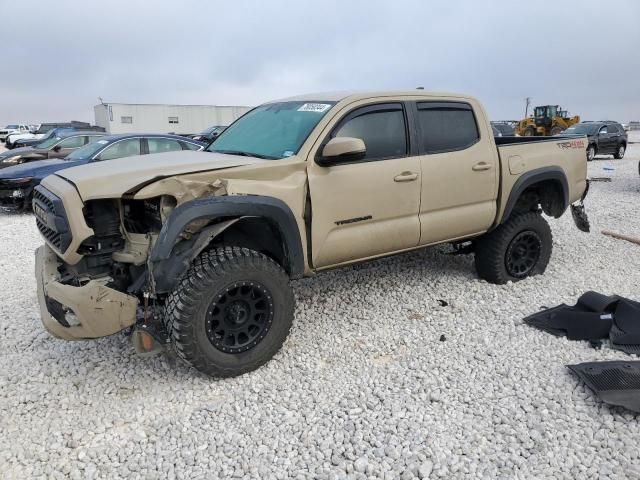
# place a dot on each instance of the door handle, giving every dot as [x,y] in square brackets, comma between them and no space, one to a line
[481,166]
[405,177]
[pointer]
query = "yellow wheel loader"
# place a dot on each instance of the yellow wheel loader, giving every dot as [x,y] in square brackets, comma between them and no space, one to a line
[546,120]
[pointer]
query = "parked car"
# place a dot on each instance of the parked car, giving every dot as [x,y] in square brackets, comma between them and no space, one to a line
[210,134]
[496,132]
[604,138]
[196,249]
[17,182]
[55,147]
[28,139]
[13,128]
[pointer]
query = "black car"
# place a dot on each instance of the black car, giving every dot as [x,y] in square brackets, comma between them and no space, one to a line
[18,181]
[210,134]
[604,138]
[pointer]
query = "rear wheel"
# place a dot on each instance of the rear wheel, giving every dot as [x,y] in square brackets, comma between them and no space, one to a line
[231,312]
[556,130]
[529,132]
[591,153]
[620,152]
[519,248]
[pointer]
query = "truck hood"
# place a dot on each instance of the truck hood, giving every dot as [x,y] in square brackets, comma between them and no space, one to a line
[113,178]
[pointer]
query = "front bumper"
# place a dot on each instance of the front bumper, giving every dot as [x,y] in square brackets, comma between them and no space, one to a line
[16,198]
[75,313]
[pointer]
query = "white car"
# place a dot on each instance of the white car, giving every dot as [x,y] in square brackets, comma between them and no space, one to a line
[10,129]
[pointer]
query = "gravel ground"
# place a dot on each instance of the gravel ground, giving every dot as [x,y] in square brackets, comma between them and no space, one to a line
[365,386]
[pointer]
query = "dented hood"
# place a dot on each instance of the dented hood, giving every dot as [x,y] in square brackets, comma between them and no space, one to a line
[113,178]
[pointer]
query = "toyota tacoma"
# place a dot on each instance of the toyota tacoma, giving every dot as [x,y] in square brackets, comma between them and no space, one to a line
[195,251]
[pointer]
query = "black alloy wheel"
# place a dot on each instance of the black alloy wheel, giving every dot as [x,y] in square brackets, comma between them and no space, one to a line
[523,253]
[239,317]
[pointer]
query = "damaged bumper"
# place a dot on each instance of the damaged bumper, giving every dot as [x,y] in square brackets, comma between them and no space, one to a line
[74,313]
[579,214]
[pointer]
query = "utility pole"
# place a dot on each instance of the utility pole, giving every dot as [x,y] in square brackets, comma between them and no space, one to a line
[526,108]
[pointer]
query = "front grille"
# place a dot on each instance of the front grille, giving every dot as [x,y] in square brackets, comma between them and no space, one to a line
[51,219]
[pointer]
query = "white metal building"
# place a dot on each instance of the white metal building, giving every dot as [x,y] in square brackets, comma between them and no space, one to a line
[157,118]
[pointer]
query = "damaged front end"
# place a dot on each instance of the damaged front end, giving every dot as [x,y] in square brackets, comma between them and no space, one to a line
[103,282]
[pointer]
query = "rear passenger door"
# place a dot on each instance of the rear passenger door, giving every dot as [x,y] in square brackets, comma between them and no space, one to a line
[459,164]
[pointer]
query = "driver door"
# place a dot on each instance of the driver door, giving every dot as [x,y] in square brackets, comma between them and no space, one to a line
[369,207]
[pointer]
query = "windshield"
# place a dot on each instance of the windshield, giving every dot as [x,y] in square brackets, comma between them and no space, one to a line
[48,142]
[272,131]
[581,129]
[88,151]
[11,127]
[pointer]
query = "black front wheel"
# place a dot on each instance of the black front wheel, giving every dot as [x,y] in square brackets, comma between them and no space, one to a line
[591,153]
[231,311]
[517,249]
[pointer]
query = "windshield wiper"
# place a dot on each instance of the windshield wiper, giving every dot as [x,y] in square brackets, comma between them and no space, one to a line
[246,154]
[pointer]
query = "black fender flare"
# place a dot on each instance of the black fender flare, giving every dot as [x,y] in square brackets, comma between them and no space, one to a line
[532,177]
[169,258]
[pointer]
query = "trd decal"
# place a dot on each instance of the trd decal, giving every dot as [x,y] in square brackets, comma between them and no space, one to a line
[353,220]
[571,144]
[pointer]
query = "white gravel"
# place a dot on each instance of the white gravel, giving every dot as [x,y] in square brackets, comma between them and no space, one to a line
[363,388]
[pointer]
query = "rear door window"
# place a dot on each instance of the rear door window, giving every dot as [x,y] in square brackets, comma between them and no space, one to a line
[381,127]
[446,126]
[160,145]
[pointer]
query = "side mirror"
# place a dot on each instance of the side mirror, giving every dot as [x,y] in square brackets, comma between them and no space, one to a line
[342,149]
[57,148]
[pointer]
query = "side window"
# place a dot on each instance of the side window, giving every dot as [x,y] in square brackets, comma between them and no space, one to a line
[159,145]
[93,138]
[613,128]
[446,127]
[71,142]
[604,130]
[123,148]
[381,127]
[190,146]
[127,119]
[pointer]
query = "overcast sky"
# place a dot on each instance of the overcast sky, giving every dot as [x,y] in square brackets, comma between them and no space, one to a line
[59,56]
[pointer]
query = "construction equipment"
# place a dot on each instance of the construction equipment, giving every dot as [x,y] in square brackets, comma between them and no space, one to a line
[546,120]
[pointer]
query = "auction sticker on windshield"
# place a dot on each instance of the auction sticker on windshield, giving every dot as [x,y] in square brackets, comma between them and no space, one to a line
[314,107]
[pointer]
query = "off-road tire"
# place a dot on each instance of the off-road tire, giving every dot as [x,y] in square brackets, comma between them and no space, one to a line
[187,307]
[556,131]
[591,153]
[529,132]
[491,250]
[620,151]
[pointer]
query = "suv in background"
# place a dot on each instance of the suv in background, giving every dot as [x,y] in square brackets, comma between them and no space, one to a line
[28,139]
[604,138]
[13,128]
[56,147]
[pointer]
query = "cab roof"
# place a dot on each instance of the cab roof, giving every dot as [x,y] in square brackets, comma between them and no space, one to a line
[355,95]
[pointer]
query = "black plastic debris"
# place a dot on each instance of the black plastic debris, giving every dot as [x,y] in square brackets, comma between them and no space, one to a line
[443,338]
[443,303]
[615,383]
[589,319]
[625,331]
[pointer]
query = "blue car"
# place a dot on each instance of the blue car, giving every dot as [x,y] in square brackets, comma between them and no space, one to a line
[17,182]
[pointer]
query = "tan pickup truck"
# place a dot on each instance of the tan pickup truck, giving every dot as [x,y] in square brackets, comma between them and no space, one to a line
[196,249]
